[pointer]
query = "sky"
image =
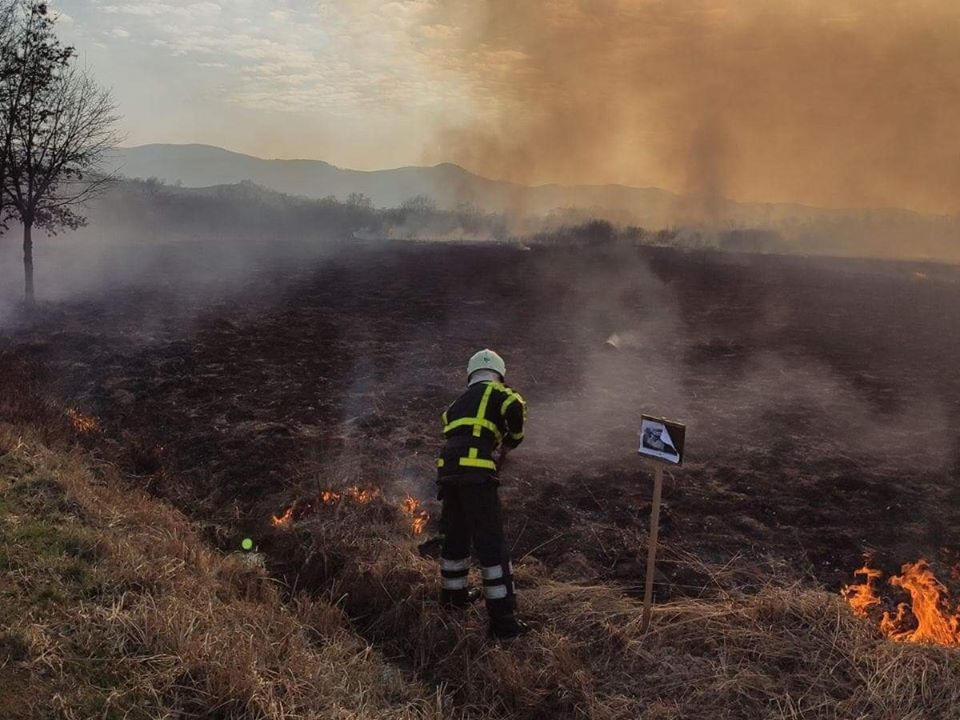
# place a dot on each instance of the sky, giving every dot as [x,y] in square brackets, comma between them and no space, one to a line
[343,82]
[837,103]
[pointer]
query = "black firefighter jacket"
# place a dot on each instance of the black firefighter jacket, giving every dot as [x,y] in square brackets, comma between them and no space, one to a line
[486,415]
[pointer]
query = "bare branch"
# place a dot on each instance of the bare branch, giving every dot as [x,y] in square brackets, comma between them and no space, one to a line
[58,146]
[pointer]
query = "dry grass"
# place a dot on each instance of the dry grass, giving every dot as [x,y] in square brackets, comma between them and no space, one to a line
[113,607]
[785,652]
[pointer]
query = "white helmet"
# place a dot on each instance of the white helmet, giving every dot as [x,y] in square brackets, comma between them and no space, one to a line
[486,360]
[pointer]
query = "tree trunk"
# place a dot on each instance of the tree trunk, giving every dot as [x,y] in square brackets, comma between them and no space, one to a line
[28,265]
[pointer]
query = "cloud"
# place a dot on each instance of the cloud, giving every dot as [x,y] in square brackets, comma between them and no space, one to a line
[159,9]
[337,58]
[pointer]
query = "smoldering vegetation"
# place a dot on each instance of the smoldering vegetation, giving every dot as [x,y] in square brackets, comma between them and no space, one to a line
[812,388]
[824,378]
[243,354]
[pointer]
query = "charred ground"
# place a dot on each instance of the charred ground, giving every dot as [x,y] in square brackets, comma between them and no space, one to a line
[823,397]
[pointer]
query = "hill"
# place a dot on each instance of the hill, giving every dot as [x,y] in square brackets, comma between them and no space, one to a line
[448,185]
[882,232]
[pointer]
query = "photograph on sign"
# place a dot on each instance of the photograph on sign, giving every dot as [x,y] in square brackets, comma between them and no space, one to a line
[661,439]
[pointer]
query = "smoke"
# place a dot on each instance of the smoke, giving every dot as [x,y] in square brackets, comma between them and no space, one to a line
[209,241]
[740,392]
[145,235]
[836,104]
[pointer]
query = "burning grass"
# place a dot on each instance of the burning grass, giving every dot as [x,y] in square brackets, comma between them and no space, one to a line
[783,652]
[418,516]
[305,507]
[932,616]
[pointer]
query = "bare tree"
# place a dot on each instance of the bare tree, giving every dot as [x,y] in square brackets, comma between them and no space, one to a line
[59,133]
[7,91]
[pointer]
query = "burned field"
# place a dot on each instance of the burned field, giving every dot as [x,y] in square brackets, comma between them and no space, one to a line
[822,398]
[300,410]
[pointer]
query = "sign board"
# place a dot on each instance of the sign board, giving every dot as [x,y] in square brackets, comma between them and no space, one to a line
[661,439]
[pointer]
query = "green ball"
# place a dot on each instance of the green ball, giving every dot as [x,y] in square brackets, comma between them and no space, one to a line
[247,544]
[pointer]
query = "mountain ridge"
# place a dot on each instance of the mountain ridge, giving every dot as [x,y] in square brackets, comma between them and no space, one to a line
[450,185]
[447,184]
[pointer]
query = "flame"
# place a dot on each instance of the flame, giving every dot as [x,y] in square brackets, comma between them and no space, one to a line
[863,597]
[419,523]
[285,519]
[931,617]
[361,496]
[418,517]
[81,423]
[410,506]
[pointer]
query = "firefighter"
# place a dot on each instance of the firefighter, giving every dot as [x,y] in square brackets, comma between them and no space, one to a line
[481,427]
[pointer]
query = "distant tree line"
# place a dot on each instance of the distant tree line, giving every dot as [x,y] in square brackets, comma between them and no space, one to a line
[56,126]
[244,212]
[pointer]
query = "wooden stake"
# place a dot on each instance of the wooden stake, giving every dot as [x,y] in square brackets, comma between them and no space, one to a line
[652,547]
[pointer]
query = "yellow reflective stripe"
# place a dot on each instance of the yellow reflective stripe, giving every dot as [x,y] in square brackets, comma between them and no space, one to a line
[513,397]
[482,410]
[478,463]
[439,462]
[476,423]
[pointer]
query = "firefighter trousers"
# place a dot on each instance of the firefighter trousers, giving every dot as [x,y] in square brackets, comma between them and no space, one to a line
[471,516]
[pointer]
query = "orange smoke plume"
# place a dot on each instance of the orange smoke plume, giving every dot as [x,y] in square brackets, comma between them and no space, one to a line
[828,102]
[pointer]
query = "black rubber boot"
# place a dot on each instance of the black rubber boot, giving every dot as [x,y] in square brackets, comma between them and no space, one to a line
[459,598]
[507,628]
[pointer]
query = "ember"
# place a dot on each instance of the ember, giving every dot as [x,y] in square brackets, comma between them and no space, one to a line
[931,617]
[418,517]
[285,519]
[81,423]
